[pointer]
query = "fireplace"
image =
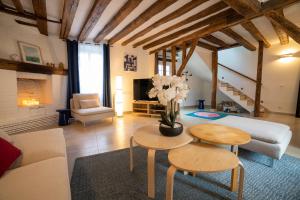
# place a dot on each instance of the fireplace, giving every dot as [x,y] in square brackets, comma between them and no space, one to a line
[33,90]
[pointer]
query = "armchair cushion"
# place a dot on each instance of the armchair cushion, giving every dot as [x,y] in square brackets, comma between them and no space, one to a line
[78,97]
[89,103]
[93,111]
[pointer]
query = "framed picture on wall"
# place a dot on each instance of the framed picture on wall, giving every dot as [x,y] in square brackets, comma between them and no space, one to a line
[30,53]
[130,63]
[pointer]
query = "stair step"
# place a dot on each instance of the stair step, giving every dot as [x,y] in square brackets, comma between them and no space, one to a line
[224,84]
[243,97]
[229,88]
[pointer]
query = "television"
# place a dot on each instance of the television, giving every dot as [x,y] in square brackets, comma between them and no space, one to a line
[141,87]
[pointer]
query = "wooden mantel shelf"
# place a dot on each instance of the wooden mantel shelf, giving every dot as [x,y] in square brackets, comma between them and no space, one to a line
[28,67]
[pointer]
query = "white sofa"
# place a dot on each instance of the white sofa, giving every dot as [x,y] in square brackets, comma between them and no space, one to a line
[41,171]
[89,114]
[268,138]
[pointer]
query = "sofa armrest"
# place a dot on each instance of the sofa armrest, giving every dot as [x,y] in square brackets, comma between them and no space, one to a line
[40,145]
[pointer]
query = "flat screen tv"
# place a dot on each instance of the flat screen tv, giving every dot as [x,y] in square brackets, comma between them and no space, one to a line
[141,87]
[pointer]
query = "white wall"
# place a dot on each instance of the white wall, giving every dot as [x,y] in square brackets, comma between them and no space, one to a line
[145,69]
[280,79]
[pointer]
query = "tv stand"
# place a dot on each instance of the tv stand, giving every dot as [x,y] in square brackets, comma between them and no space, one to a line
[149,108]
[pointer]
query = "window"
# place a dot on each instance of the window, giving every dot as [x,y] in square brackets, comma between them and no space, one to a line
[91,69]
[161,70]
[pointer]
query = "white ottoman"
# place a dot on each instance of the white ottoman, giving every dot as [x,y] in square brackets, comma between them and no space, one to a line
[268,138]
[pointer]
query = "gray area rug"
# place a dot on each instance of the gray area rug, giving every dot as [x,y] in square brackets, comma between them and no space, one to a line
[107,176]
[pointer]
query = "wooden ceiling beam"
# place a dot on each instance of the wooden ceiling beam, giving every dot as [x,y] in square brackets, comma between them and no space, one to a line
[276,4]
[70,7]
[193,27]
[208,11]
[187,57]
[128,7]
[229,47]
[214,40]
[39,7]
[229,32]
[207,46]
[287,26]
[244,7]
[18,5]
[154,9]
[229,21]
[93,17]
[283,37]
[251,28]
[175,14]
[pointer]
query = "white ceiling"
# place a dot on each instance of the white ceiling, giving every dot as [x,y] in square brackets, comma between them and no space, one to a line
[55,7]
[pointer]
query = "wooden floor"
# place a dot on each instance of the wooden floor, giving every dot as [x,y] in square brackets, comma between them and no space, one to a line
[107,136]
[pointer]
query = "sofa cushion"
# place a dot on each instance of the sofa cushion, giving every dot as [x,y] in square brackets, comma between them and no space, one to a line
[89,103]
[47,180]
[266,131]
[78,97]
[40,145]
[9,154]
[93,111]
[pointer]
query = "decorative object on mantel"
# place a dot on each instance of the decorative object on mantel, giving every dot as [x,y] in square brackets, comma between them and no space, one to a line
[61,66]
[170,91]
[30,53]
[15,57]
[130,63]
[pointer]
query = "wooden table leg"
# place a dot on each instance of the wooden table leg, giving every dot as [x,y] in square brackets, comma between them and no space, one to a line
[151,173]
[170,182]
[241,181]
[234,172]
[131,154]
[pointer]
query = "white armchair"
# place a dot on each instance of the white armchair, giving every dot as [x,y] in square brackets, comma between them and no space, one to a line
[86,107]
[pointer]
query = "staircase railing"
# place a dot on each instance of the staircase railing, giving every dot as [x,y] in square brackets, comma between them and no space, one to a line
[236,72]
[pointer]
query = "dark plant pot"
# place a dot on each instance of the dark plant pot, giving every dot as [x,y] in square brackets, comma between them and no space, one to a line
[169,131]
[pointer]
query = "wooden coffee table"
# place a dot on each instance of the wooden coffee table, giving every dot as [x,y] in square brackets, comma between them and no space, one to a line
[225,135]
[150,138]
[202,158]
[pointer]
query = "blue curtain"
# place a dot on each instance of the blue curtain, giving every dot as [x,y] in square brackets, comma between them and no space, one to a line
[73,72]
[106,77]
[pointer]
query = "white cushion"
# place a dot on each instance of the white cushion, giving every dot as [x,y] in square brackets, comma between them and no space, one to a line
[78,97]
[266,131]
[89,103]
[93,111]
[6,137]
[40,145]
[47,180]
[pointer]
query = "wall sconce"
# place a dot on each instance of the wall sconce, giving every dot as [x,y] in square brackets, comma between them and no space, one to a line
[288,55]
[119,96]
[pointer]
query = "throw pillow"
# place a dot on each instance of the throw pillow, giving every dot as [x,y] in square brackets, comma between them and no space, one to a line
[9,155]
[89,103]
[6,137]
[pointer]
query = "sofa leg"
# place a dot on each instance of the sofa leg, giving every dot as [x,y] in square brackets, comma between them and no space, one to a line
[83,123]
[272,160]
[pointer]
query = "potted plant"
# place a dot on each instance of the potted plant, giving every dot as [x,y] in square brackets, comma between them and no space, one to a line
[170,90]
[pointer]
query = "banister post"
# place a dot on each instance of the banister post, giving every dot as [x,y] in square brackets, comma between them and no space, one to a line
[214,82]
[258,79]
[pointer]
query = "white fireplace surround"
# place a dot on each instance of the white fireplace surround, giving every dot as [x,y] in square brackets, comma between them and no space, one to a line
[52,92]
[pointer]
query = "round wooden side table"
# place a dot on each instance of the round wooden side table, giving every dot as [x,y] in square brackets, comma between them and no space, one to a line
[150,138]
[225,135]
[204,158]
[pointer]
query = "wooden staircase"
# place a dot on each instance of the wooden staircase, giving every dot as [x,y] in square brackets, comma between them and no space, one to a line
[238,96]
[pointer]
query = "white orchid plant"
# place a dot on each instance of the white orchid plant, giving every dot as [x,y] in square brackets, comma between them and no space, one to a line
[169,90]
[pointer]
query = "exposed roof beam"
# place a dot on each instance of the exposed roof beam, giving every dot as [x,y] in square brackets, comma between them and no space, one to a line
[214,40]
[208,11]
[93,17]
[39,7]
[18,5]
[229,21]
[283,37]
[196,26]
[207,46]
[187,57]
[276,4]
[244,7]
[25,23]
[70,7]
[229,32]
[128,7]
[155,8]
[177,13]
[290,28]
[230,46]
[251,28]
